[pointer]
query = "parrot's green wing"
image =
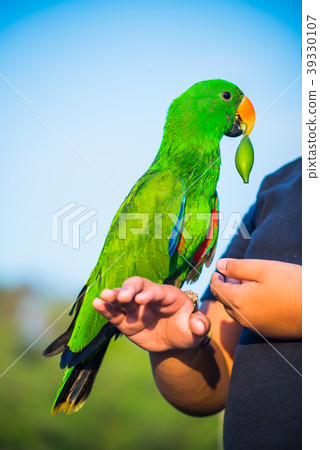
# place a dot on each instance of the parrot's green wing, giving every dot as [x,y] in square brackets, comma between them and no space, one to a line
[137,244]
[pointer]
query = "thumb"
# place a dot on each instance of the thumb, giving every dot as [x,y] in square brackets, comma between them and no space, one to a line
[199,324]
[241,269]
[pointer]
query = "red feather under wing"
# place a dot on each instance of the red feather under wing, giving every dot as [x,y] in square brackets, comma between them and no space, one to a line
[210,238]
[205,253]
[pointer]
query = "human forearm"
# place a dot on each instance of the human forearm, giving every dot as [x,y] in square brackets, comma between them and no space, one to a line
[195,381]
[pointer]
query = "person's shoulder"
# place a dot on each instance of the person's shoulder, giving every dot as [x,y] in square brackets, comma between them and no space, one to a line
[284,175]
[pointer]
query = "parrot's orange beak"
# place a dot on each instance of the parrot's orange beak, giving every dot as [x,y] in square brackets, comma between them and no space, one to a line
[246,116]
[244,119]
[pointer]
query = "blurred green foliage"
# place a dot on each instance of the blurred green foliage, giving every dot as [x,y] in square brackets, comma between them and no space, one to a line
[124,410]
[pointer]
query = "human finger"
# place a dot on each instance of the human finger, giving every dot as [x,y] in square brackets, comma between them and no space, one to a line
[241,269]
[108,311]
[130,288]
[199,324]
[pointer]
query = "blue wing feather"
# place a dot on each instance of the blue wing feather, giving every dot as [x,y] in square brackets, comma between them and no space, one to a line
[177,228]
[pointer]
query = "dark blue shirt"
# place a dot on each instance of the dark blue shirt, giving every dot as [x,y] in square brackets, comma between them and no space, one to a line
[263,409]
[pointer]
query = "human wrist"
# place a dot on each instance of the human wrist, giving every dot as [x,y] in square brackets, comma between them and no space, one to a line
[182,354]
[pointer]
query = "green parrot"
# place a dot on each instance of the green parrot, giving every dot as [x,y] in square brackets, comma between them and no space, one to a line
[165,230]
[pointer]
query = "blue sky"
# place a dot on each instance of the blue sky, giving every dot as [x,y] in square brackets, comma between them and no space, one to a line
[104,74]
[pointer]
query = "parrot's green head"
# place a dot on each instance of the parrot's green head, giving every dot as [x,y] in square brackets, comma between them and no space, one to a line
[199,117]
[210,109]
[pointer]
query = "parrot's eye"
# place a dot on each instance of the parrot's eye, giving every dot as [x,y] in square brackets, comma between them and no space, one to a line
[226,95]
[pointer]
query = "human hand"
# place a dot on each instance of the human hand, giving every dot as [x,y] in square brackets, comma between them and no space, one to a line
[267,296]
[153,316]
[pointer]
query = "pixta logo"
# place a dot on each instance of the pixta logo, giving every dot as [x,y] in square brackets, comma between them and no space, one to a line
[146,224]
[69,222]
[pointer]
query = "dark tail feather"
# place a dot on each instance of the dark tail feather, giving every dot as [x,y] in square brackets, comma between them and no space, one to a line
[59,345]
[82,367]
[77,383]
[70,359]
[81,372]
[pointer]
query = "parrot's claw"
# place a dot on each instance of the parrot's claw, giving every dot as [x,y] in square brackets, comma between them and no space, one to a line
[194,298]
